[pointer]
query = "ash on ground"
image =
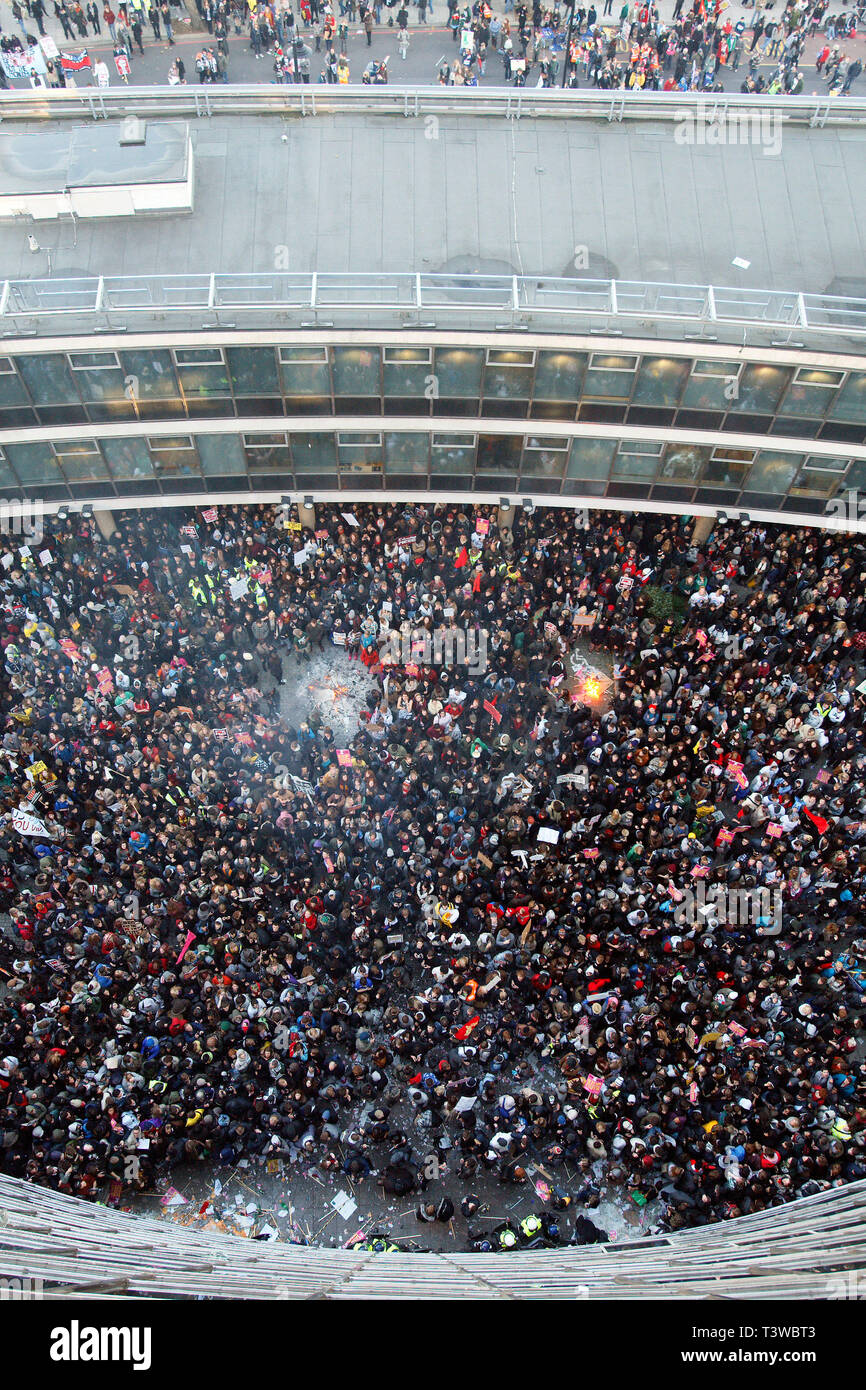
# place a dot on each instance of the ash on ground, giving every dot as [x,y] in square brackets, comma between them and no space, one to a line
[328,683]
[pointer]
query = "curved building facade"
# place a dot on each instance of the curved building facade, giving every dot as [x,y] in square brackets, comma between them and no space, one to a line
[390,299]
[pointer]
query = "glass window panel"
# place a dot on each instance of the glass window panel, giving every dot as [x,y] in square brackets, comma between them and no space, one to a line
[406,449]
[709,367]
[819,464]
[253,371]
[109,384]
[508,383]
[635,466]
[82,463]
[818,376]
[128,458]
[760,389]
[684,462]
[459,371]
[499,453]
[609,384]
[174,458]
[811,401]
[410,379]
[591,458]
[48,379]
[155,372]
[313,452]
[558,376]
[7,477]
[544,463]
[356,371]
[306,378]
[509,357]
[12,390]
[714,392]
[311,353]
[362,448]
[34,463]
[727,473]
[93,359]
[198,357]
[204,380]
[850,403]
[453,454]
[361,467]
[641,446]
[660,381]
[856,476]
[772,472]
[221,453]
[407,354]
[808,483]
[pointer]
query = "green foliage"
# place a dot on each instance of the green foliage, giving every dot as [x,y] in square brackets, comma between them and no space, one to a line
[665,606]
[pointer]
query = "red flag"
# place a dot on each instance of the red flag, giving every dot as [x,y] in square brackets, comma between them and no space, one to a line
[818,821]
[462,1033]
[493,711]
[476,583]
[462,559]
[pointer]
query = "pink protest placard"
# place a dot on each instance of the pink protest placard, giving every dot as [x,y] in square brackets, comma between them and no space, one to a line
[774,830]
[190,938]
[344,757]
[593,1085]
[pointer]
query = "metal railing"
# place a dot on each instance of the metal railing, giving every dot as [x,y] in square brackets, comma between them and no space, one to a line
[814,1247]
[516,102]
[480,302]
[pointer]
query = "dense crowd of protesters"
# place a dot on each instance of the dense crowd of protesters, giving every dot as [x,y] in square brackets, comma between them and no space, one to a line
[609,44]
[383,959]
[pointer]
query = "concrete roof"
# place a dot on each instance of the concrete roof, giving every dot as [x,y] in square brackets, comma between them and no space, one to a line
[52,159]
[386,193]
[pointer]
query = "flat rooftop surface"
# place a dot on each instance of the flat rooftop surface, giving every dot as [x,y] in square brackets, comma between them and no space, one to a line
[479,195]
[60,156]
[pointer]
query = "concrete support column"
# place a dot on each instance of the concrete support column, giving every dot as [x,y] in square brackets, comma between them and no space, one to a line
[105,522]
[702,527]
[307,516]
[505,519]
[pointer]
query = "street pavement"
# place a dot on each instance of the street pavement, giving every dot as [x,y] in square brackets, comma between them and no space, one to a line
[428,45]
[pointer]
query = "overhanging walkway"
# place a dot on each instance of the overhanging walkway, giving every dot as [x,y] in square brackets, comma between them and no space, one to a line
[813,1248]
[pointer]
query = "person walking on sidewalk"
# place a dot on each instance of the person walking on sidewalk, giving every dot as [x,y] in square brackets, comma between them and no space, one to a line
[92,13]
[165,12]
[62,14]
[368,26]
[136,32]
[154,23]
[111,20]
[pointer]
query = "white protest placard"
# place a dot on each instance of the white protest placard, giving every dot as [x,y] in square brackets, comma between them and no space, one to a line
[547,836]
[45,557]
[27,824]
[238,587]
[351,518]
